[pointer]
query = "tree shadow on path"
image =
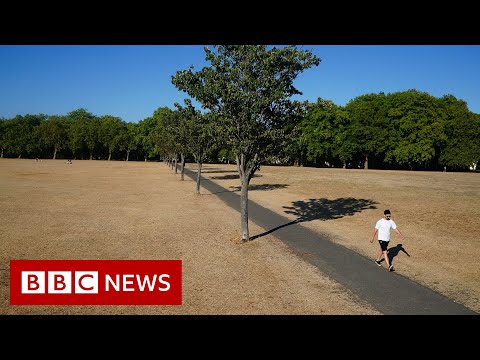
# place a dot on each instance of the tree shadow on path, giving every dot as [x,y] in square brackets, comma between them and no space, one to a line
[322,209]
[261,187]
[230,177]
[214,171]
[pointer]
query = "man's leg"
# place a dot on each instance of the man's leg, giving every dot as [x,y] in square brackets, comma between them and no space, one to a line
[387,260]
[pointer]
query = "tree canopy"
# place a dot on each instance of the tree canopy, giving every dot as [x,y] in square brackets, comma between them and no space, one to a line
[248,90]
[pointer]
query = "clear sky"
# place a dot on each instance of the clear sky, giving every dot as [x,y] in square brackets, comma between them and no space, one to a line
[132,81]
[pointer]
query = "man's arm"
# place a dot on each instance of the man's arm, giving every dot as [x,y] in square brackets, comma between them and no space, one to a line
[373,235]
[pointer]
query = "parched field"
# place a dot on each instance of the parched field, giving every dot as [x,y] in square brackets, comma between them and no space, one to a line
[437,212]
[137,210]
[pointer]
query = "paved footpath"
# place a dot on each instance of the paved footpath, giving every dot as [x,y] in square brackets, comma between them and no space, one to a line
[389,292]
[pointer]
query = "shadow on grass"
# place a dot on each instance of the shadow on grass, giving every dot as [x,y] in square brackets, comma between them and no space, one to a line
[261,187]
[218,171]
[221,191]
[392,252]
[229,177]
[322,209]
[212,169]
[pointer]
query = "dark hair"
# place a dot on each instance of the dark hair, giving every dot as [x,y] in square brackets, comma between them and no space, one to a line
[386,212]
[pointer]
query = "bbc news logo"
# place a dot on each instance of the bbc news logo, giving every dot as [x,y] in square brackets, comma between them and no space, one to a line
[95,282]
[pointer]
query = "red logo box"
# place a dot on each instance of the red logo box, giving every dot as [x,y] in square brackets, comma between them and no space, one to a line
[95,282]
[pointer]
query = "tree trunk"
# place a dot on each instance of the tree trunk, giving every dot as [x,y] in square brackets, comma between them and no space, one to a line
[199,176]
[176,167]
[344,164]
[145,157]
[1,156]
[244,180]
[128,155]
[91,156]
[244,207]
[182,174]
[20,156]
[365,165]
[54,154]
[109,155]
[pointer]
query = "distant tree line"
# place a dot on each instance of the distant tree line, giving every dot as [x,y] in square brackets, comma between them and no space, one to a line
[403,130]
[79,135]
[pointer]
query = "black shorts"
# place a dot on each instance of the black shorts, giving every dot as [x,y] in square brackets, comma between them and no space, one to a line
[383,244]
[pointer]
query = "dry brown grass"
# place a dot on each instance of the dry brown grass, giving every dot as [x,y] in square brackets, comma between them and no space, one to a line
[137,210]
[437,212]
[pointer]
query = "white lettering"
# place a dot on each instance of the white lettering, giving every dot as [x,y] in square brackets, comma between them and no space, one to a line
[60,282]
[166,283]
[33,282]
[127,282]
[146,279]
[115,284]
[86,282]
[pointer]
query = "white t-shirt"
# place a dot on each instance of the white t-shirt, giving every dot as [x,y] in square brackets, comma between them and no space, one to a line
[383,226]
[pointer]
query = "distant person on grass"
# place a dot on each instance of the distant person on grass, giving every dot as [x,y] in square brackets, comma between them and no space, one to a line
[382,228]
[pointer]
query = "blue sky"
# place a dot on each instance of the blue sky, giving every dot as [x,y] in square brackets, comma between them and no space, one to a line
[132,81]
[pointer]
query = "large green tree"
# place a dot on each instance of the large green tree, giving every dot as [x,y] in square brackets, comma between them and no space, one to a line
[21,137]
[196,132]
[163,135]
[318,132]
[145,137]
[461,148]
[248,89]
[53,133]
[418,128]
[368,125]
[111,131]
[345,141]
[83,132]
[128,139]
[179,131]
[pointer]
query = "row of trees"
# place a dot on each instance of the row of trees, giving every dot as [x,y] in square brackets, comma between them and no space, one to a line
[248,116]
[402,130]
[80,135]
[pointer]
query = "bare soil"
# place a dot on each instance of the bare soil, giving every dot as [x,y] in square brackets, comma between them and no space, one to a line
[135,210]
